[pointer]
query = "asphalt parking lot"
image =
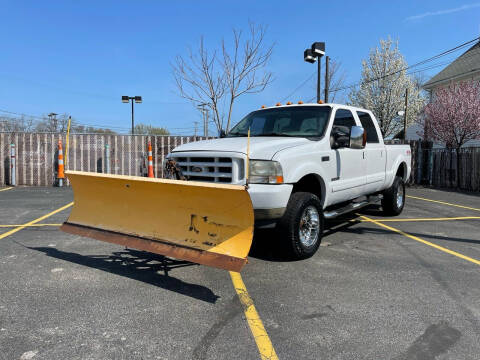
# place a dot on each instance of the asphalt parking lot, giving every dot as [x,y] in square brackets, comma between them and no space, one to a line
[379,288]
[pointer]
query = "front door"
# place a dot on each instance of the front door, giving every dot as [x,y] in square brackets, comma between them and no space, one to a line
[350,176]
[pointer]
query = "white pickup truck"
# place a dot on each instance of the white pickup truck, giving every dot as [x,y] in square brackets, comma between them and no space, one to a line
[307,163]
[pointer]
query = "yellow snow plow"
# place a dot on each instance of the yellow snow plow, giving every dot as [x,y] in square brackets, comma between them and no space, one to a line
[206,223]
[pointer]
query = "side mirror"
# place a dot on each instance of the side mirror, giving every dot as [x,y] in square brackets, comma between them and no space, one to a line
[358,137]
[340,137]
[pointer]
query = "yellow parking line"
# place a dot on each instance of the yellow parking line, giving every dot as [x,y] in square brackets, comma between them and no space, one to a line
[32,225]
[8,188]
[416,238]
[13,231]
[260,335]
[443,202]
[428,219]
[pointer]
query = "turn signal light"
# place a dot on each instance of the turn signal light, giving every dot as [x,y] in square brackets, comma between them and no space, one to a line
[279,179]
[263,107]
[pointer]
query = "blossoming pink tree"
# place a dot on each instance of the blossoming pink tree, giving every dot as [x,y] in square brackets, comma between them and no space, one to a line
[453,116]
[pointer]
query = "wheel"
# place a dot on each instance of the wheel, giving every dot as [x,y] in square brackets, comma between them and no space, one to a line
[394,197]
[302,225]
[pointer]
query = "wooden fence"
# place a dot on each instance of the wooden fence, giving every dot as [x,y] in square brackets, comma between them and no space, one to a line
[36,154]
[438,167]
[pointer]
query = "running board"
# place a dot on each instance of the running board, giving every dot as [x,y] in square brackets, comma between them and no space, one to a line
[331,214]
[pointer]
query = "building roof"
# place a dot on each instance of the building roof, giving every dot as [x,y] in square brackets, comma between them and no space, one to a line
[465,65]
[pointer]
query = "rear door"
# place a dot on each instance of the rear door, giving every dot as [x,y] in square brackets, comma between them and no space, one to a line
[349,179]
[375,155]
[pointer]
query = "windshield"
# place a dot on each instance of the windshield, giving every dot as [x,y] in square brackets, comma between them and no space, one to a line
[300,121]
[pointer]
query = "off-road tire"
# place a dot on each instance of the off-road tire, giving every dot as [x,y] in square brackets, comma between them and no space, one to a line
[289,225]
[389,201]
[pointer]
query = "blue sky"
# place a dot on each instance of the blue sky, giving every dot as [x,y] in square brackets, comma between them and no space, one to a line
[79,57]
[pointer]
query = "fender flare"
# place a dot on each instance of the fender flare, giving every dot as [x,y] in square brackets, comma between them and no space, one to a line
[311,168]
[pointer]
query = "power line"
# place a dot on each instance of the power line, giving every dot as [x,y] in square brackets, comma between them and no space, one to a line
[43,118]
[435,57]
[447,52]
[100,127]
[299,86]
[83,93]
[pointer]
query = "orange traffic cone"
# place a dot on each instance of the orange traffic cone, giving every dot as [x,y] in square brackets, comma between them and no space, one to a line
[150,160]
[61,174]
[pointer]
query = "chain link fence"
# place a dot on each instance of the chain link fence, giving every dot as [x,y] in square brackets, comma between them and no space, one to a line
[37,158]
[37,155]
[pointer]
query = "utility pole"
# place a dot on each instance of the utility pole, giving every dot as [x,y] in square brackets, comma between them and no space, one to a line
[196,124]
[206,123]
[327,60]
[405,116]
[204,111]
[319,76]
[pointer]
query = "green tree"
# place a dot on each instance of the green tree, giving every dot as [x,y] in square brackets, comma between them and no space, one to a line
[144,129]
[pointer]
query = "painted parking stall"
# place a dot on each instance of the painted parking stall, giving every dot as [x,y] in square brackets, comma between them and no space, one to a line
[415,274]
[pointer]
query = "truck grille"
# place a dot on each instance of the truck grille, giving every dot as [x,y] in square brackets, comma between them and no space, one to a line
[210,169]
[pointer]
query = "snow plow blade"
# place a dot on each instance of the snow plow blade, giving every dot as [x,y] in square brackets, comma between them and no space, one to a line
[205,223]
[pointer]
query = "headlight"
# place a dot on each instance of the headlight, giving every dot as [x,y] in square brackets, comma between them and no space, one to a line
[265,172]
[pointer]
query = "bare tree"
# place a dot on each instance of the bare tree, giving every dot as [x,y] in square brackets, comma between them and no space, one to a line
[245,72]
[12,124]
[54,124]
[218,78]
[199,79]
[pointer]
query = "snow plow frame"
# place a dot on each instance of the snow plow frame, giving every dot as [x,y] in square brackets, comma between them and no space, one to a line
[205,223]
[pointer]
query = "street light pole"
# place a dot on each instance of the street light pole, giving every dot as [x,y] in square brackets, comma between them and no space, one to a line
[133,99]
[133,119]
[311,55]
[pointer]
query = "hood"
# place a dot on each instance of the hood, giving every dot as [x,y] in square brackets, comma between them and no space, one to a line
[260,147]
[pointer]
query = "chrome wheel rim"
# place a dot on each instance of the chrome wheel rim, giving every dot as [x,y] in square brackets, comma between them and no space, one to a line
[400,195]
[309,226]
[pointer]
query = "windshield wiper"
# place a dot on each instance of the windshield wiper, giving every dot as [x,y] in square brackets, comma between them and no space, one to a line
[275,134]
[235,134]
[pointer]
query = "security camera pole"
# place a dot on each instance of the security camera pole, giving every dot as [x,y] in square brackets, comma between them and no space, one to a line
[138,100]
[311,55]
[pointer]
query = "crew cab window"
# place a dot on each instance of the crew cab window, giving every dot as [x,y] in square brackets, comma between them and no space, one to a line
[368,125]
[344,117]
